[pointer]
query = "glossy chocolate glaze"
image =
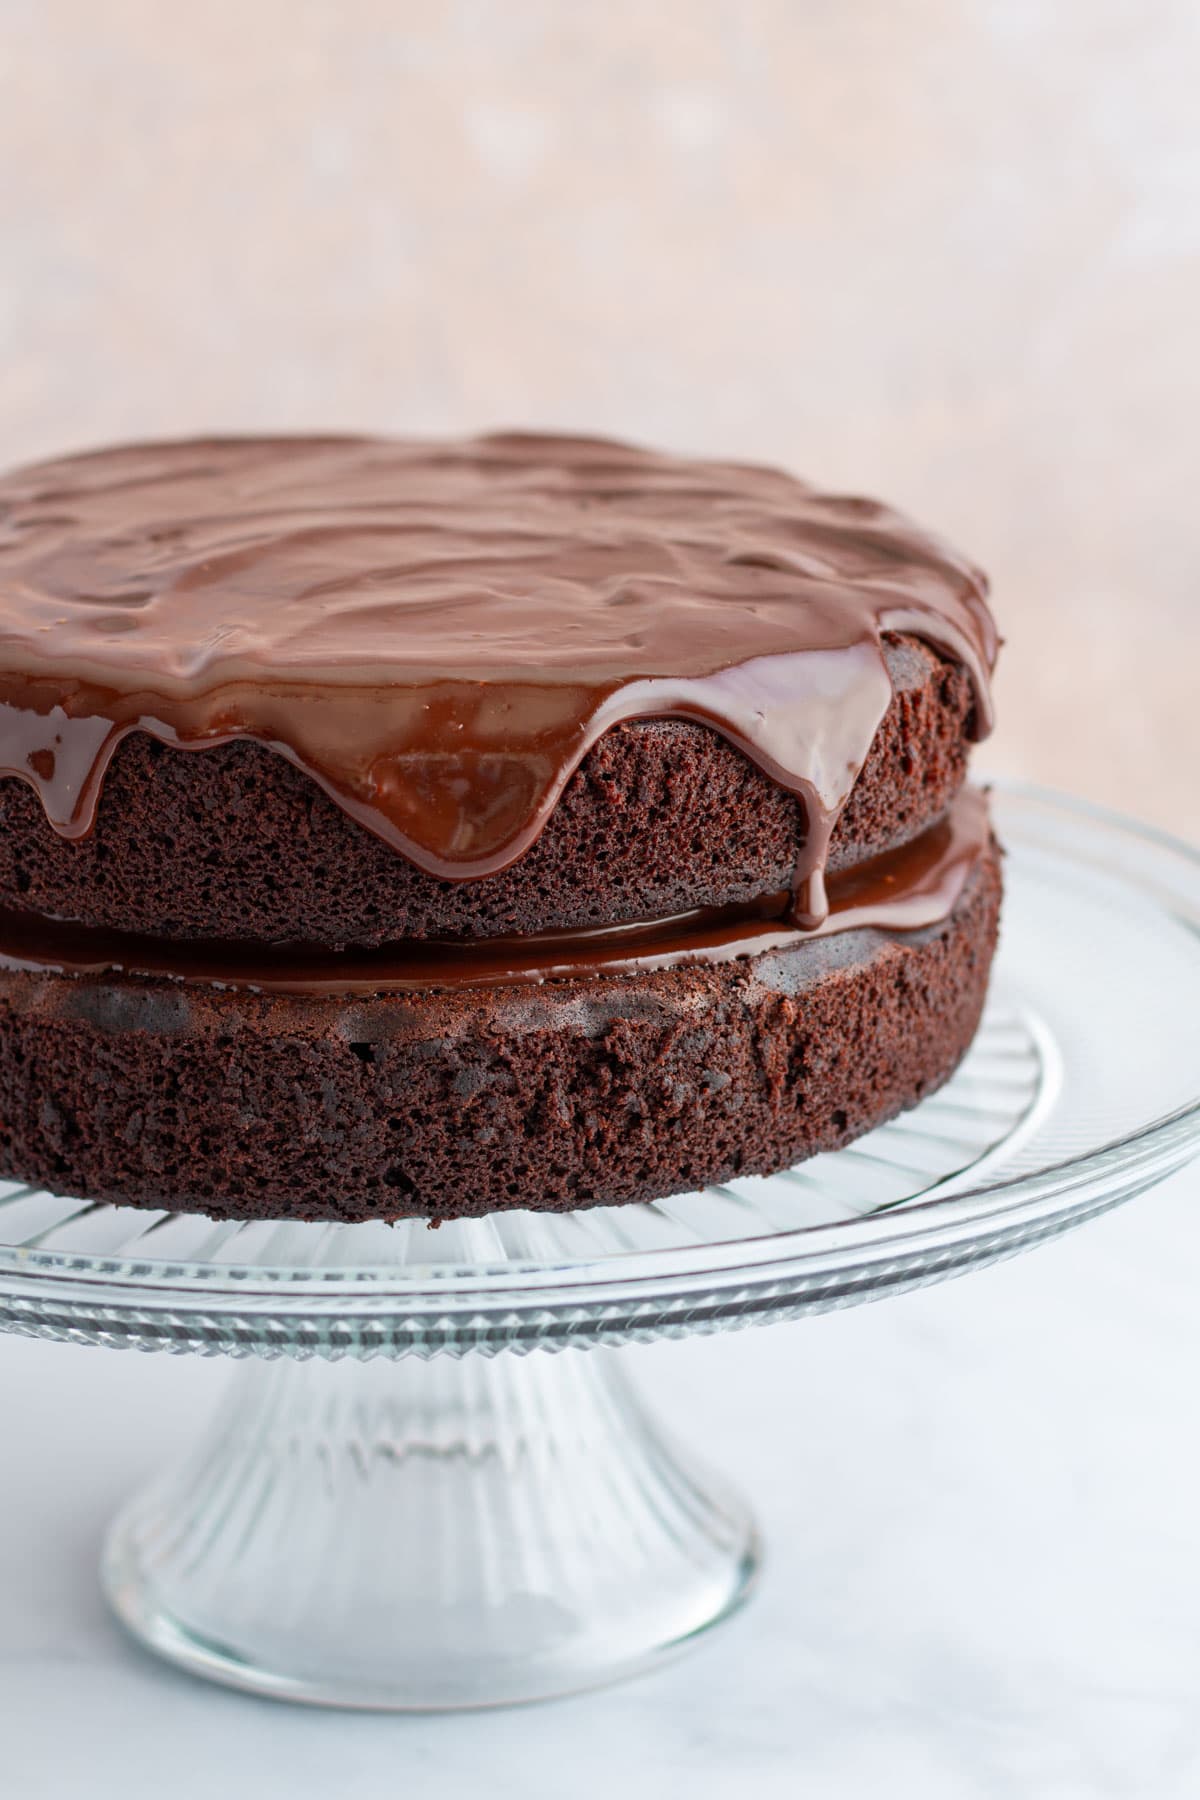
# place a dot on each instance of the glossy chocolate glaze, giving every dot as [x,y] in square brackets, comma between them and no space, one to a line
[437,633]
[907,889]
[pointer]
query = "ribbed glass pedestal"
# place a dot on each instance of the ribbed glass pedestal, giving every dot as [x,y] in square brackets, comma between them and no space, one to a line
[459,1532]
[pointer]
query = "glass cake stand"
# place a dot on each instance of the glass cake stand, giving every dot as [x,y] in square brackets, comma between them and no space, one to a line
[462,1528]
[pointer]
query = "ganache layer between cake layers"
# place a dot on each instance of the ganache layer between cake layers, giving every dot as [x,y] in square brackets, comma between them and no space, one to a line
[904,889]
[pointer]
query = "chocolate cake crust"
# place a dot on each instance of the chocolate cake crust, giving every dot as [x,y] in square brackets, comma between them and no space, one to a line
[571,1094]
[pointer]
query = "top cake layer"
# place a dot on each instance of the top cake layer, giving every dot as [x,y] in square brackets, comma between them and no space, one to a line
[437,634]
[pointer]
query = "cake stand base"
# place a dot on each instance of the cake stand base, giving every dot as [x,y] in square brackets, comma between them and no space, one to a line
[460,1532]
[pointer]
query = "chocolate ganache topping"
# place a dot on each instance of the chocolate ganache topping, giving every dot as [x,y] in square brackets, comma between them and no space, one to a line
[438,632]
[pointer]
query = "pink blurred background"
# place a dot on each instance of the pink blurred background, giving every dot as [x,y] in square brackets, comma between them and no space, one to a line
[946,251]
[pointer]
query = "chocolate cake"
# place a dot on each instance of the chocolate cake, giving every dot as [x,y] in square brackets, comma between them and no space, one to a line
[427,828]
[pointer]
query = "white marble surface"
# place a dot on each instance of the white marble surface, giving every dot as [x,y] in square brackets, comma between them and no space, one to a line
[984,1580]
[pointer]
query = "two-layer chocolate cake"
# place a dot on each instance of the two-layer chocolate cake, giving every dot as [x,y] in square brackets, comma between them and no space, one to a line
[393,828]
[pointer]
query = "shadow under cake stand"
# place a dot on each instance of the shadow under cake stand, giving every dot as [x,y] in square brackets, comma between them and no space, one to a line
[440,1525]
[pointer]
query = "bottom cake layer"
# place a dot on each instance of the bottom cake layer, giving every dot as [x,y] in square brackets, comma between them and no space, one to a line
[572,1093]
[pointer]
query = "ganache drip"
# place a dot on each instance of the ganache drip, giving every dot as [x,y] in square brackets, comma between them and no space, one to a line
[438,633]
